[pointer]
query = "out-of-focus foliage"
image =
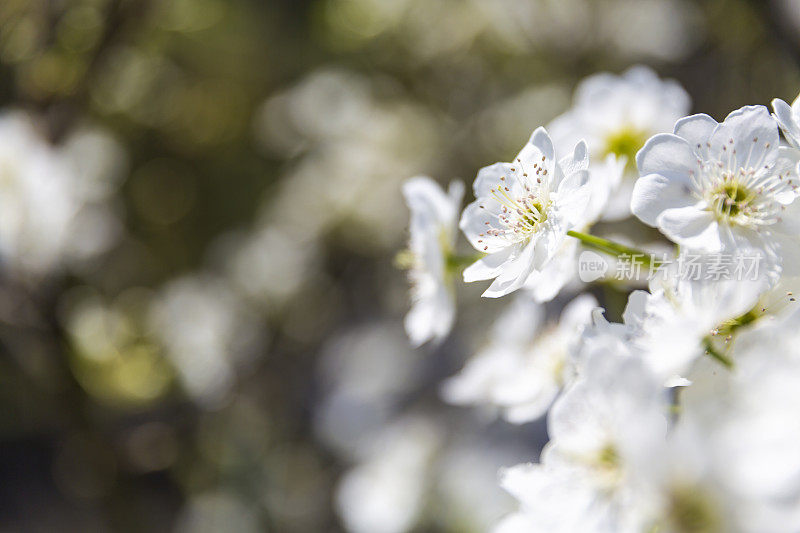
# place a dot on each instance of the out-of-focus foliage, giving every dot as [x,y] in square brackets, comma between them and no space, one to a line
[200,320]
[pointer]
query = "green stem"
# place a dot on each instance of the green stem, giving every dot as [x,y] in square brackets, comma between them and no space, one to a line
[726,361]
[614,248]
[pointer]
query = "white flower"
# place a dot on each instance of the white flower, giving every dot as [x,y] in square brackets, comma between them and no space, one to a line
[523,211]
[713,187]
[670,327]
[788,118]
[53,199]
[552,500]
[545,284]
[432,237]
[612,414]
[616,115]
[386,492]
[526,362]
[731,463]
[207,331]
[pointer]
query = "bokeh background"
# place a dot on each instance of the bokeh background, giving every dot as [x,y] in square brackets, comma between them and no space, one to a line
[201,324]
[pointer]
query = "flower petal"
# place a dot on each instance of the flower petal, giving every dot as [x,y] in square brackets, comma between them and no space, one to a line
[697,130]
[668,155]
[487,267]
[691,227]
[654,193]
[785,117]
[749,135]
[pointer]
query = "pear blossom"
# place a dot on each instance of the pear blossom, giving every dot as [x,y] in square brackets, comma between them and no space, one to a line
[730,463]
[526,362]
[432,237]
[523,211]
[788,118]
[673,324]
[613,413]
[615,115]
[724,186]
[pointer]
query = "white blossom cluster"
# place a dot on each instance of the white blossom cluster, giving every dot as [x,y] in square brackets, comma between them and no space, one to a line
[682,418]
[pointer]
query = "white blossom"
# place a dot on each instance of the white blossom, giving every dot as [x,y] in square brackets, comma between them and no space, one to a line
[386,492]
[432,238]
[615,115]
[671,326]
[523,211]
[526,361]
[614,413]
[722,186]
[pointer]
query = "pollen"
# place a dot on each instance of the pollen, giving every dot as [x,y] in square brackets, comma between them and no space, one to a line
[731,199]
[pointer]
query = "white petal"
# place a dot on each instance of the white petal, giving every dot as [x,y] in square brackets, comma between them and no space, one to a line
[785,117]
[456,193]
[430,318]
[789,250]
[578,160]
[476,220]
[547,243]
[574,197]
[654,193]
[752,133]
[545,284]
[691,227]
[634,314]
[697,130]
[488,179]
[424,194]
[487,267]
[668,155]
[541,140]
[513,274]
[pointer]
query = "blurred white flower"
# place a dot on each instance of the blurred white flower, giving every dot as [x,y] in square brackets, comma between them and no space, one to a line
[616,115]
[53,210]
[354,151]
[526,362]
[523,211]
[365,372]
[730,463]
[612,414]
[207,331]
[721,187]
[387,492]
[432,230]
[267,277]
[468,497]
[633,29]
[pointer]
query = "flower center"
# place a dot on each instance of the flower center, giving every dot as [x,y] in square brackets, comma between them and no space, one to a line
[730,200]
[626,142]
[608,458]
[520,214]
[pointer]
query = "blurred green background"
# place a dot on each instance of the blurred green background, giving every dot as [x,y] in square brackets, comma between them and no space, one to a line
[217,366]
